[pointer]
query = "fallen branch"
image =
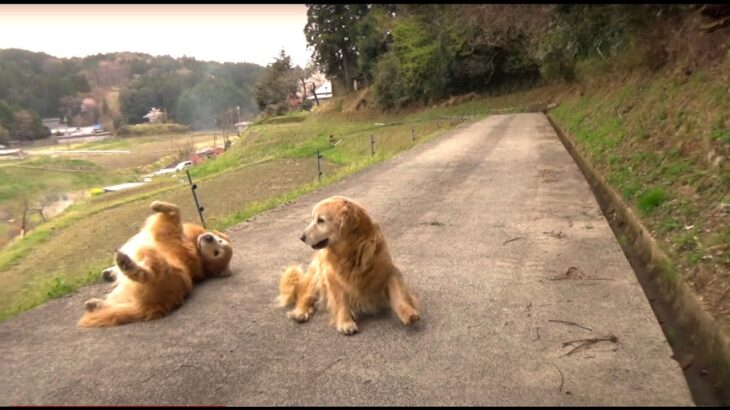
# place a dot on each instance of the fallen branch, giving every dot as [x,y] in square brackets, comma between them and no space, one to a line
[537,331]
[570,323]
[559,235]
[562,378]
[585,343]
[511,240]
[329,366]
[710,27]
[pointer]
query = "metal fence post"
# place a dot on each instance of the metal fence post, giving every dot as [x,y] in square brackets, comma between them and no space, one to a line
[319,168]
[413,135]
[199,208]
[372,145]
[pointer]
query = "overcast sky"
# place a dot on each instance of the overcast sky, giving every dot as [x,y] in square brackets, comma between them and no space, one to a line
[219,32]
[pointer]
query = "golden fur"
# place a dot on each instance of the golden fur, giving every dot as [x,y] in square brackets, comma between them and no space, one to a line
[352,270]
[155,269]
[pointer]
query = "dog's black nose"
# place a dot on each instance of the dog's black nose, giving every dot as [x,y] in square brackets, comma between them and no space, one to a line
[208,238]
[303,238]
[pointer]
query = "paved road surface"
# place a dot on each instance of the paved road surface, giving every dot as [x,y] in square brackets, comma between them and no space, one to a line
[478,220]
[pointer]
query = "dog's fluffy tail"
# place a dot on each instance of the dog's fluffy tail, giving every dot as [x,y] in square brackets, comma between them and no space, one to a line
[113,316]
[289,285]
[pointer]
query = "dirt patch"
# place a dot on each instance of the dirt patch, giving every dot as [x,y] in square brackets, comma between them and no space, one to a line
[547,175]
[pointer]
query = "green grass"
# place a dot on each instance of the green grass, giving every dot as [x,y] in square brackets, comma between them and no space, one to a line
[722,135]
[51,288]
[62,163]
[651,199]
[152,129]
[24,183]
[292,117]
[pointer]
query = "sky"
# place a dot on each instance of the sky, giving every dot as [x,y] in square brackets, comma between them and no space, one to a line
[251,33]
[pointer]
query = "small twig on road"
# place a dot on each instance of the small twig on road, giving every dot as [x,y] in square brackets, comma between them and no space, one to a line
[511,240]
[329,366]
[585,343]
[570,323]
[537,331]
[562,378]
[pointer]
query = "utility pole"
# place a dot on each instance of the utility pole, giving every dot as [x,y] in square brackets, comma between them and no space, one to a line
[238,116]
[314,93]
[65,132]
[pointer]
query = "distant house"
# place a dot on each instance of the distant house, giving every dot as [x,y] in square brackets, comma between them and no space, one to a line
[74,132]
[240,126]
[323,92]
[52,123]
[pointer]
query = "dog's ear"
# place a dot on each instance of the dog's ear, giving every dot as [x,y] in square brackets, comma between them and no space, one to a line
[364,252]
[221,234]
[344,215]
[226,272]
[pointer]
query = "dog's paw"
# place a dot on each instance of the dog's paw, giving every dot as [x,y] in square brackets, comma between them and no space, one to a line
[408,315]
[93,304]
[108,274]
[347,328]
[298,315]
[124,262]
[412,318]
[163,207]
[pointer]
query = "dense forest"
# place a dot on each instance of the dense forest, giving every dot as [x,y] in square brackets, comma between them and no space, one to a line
[420,53]
[117,89]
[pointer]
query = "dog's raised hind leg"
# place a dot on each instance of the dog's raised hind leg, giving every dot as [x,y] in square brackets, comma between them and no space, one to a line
[168,220]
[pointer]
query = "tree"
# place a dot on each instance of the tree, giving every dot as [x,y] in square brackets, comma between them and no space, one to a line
[137,99]
[155,116]
[374,35]
[6,115]
[279,81]
[4,135]
[332,30]
[27,125]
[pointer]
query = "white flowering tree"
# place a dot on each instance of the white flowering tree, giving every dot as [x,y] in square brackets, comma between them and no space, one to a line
[155,116]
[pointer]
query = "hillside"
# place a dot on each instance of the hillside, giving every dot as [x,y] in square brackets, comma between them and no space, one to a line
[120,88]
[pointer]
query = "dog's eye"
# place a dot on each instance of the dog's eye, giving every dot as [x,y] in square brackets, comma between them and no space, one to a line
[320,220]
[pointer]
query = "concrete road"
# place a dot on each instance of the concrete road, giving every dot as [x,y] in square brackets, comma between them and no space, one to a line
[480,221]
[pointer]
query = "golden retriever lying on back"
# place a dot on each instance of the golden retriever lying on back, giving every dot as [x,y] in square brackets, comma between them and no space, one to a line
[352,268]
[155,270]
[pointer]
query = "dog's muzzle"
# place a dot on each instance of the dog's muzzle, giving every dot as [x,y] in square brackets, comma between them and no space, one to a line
[321,244]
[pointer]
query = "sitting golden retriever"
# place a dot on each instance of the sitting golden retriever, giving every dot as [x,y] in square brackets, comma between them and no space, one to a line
[352,268]
[156,268]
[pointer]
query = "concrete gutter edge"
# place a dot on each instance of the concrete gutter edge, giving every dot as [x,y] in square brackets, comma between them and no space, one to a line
[709,342]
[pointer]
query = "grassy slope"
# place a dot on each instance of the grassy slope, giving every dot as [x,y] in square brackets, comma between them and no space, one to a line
[663,142]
